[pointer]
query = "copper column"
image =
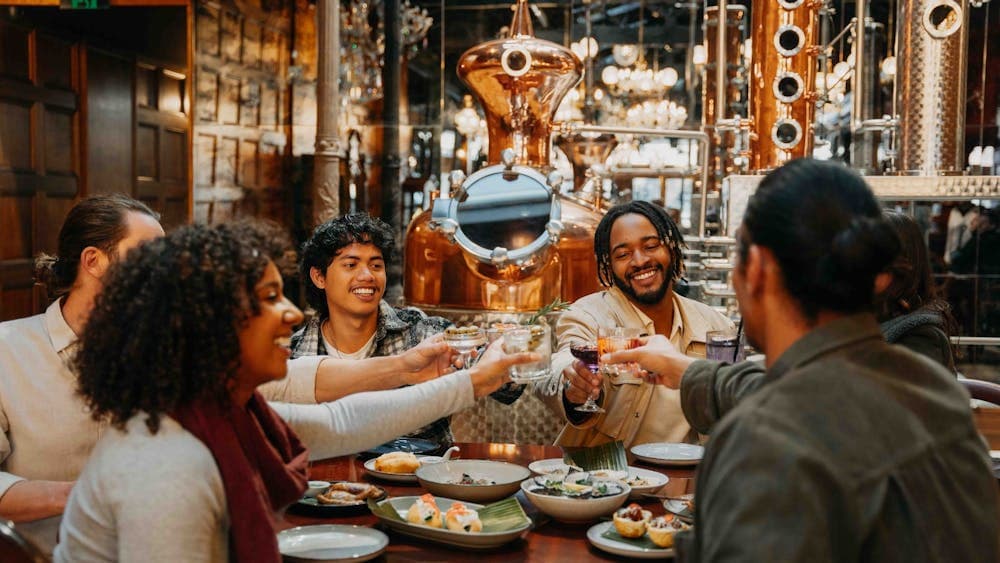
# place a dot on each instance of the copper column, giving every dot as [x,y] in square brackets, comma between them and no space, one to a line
[326,166]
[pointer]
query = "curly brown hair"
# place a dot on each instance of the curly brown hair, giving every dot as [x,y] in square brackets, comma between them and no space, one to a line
[164,332]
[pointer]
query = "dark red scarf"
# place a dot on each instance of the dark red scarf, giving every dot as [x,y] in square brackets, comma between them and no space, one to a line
[263,467]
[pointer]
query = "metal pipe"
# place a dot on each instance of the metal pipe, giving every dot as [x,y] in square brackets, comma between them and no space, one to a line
[326,161]
[721,66]
[975,341]
[858,88]
[700,136]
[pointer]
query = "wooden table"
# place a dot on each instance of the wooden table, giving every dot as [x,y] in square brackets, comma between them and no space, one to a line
[548,540]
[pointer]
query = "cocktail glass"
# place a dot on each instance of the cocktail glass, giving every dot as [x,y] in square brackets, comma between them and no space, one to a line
[464,339]
[586,352]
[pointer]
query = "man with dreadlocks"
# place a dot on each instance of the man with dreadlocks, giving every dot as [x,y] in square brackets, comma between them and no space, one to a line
[638,248]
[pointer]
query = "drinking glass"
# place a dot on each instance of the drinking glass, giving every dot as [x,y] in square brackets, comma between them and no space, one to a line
[586,352]
[614,339]
[722,345]
[464,339]
[534,338]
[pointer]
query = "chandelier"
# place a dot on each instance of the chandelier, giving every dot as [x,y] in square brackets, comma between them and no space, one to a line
[363,44]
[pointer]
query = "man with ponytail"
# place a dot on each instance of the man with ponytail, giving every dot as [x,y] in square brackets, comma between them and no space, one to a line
[47,434]
[851,449]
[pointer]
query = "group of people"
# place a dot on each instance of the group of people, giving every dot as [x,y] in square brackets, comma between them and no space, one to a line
[166,405]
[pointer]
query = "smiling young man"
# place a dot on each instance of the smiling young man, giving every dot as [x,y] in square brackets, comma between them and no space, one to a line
[343,268]
[638,248]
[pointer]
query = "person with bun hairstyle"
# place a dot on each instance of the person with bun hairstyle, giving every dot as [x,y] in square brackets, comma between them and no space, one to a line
[852,449]
[47,435]
[196,465]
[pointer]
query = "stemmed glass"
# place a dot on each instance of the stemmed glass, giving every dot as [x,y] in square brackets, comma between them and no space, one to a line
[464,339]
[586,352]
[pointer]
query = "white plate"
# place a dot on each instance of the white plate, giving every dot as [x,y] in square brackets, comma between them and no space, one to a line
[400,477]
[481,540]
[680,508]
[654,480]
[667,453]
[546,466]
[596,537]
[331,542]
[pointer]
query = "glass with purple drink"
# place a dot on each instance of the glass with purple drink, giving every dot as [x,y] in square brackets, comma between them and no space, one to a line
[586,352]
[722,345]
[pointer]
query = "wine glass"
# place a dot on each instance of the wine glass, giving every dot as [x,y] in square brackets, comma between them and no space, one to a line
[464,339]
[586,352]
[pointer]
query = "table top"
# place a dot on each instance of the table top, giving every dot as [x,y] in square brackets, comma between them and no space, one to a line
[547,541]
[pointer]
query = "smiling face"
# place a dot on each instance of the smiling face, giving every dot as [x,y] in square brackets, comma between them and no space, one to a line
[266,337]
[354,282]
[640,260]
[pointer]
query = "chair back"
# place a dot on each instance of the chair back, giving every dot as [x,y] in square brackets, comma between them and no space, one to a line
[15,548]
[982,390]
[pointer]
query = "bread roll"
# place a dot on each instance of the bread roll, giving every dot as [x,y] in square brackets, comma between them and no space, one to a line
[631,521]
[661,529]
[397,462]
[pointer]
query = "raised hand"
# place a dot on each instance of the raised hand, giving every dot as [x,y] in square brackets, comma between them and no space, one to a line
[429,359]
[663,363]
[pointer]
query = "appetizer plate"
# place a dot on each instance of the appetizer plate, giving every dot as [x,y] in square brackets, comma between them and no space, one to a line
[667,453]
[681,508]
[546,466]
[400,477]
[481,540]
[310,506]
[329,542]
[596,536]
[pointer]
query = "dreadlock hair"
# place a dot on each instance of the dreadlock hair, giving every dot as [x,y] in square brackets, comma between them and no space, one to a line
[333,236]
[666,229]
[164,332]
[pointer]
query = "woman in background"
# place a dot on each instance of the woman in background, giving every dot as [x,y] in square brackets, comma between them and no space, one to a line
[197,466]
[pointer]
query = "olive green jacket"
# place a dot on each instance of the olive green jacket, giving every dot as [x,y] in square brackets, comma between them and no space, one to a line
[851,450]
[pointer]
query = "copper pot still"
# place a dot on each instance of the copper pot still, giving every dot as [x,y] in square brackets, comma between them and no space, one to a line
[784,36]
[504,239]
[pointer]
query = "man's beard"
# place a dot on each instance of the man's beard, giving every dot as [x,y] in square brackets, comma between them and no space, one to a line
[650,298]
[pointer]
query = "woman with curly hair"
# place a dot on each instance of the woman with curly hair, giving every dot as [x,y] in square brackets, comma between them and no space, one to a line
[196,464]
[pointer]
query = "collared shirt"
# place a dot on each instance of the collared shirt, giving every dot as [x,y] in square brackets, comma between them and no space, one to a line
[397,330]
[48,432]
[636,410]
[851,450]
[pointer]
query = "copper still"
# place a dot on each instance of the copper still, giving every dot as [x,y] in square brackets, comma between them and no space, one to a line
[504,239]
[721,153]
[782,81]
[931,64]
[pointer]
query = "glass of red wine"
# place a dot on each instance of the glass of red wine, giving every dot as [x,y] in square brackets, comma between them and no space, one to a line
[586,352]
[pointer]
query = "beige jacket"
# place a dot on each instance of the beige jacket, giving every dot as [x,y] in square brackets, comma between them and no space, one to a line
[626,403]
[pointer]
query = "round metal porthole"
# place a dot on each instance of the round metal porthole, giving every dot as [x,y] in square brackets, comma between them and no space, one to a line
[789,40]
[788,87]
[790,4]
[786,133]
[943,18]
[516,61]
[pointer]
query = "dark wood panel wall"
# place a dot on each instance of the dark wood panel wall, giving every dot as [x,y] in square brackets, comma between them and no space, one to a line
[242,121]
[39,155]
[85,109]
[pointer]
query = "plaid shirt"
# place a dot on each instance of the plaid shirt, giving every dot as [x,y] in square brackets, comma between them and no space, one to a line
[397,331]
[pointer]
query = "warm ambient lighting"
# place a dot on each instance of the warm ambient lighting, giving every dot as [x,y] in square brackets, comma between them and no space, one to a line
[700,55]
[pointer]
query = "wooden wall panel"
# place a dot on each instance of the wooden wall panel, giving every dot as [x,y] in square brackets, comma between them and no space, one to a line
[15,134]
[110,118]
[14,64]
[55,62]
[60,157]
[146,150]
[16,242]
[241,130]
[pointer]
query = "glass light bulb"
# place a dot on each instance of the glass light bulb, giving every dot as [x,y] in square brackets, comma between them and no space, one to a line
[610,75]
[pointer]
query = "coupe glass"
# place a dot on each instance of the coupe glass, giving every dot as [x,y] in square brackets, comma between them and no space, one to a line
[464,339]
[615,339]
[586,352]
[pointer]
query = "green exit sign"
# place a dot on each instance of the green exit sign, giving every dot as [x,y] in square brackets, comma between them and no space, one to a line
[84,4]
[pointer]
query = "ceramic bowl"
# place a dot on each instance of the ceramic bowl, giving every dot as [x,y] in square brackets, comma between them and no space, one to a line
[574,510]
[443,479]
